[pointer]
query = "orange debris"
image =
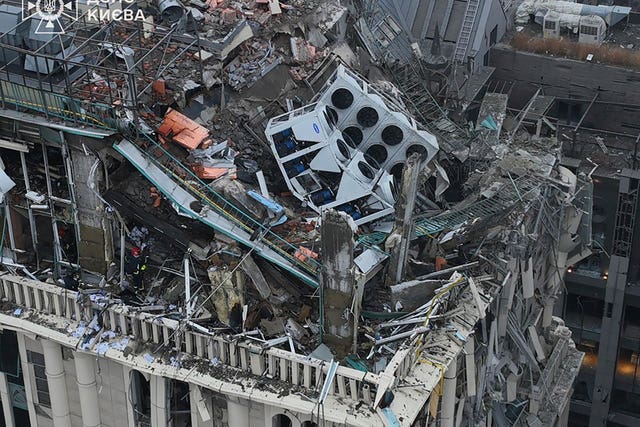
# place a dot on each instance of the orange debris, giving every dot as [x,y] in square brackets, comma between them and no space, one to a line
[155,195]
[209,173]
[303,254]
[182,130]
[159,88]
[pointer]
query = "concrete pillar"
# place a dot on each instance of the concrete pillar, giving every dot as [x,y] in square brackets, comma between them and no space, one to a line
[86,380]
[159,410]
[448,405]
[238,412]
[609,340]
[398,242]
[614,297]
[337,280]
[5,397]
[54,369]
[547,314]
[95,247]
[230,295]
[26,376]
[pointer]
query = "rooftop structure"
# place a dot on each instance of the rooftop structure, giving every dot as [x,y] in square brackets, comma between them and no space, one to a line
[343,151]
[264,236]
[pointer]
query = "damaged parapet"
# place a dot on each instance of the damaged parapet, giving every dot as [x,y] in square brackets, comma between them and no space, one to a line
[344,150]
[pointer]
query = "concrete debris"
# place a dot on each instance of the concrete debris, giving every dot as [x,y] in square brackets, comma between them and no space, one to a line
[300,214]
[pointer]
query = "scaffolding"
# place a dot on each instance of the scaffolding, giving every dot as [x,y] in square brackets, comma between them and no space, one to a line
[90,73]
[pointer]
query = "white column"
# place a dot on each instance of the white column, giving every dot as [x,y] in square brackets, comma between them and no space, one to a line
[54,369]
[5,397]
[238,412]
[86,380]
[131,418]
[448,408]
[159,410]
[26,377]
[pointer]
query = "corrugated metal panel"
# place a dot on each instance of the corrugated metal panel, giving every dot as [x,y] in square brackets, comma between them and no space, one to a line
[455,21]
[421,17]
[437,15]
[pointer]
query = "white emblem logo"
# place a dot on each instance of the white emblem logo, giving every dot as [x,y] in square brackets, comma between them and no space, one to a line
[49,12]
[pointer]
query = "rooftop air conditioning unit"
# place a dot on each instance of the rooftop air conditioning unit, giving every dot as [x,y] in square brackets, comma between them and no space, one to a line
[593,30]
[551,26]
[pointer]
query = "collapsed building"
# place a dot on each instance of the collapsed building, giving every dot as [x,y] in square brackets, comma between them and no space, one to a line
[347,252]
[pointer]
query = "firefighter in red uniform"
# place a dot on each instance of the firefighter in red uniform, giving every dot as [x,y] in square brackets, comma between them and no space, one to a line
[135,266]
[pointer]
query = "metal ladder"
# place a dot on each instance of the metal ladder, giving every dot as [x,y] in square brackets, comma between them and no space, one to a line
[510,194]
[465,32]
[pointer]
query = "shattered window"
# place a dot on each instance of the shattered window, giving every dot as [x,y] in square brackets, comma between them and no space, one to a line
[40,376]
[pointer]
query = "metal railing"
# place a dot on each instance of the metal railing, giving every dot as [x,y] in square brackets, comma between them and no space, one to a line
[56,105]
[244,355]
[199,189]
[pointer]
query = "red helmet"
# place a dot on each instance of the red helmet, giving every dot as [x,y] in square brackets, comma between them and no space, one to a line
[135,251]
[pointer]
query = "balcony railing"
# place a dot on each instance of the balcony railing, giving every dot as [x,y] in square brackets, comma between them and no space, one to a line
[246,356]
[51,104]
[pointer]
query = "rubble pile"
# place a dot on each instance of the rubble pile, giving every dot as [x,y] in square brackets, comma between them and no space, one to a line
[325,228]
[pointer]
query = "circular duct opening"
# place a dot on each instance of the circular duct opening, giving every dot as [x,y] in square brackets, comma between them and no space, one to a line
[396,171]
[342,98]
[354,134]
[343,149]
[392,135]
[170,10]
[367,117]
[378,153]
[366,170]
[332,114]
[416,148]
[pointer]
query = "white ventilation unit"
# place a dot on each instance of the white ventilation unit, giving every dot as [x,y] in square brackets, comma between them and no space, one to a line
[551,25]
[593,30]
[344,150]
